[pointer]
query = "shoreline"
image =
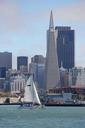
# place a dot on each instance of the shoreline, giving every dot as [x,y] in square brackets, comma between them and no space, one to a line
[49,105]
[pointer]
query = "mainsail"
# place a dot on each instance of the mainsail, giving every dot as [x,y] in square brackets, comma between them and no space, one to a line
[31,95]
[28,95]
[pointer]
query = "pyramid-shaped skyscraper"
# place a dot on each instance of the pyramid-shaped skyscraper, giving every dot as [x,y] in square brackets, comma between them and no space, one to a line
[52,75]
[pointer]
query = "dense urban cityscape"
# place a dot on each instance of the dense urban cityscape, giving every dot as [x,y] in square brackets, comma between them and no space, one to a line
[55,75]
[42,64]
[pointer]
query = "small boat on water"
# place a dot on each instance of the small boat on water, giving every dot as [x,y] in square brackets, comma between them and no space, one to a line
[31,98]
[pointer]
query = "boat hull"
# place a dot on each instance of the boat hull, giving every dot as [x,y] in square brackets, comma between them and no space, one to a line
[29,105]
[26,105]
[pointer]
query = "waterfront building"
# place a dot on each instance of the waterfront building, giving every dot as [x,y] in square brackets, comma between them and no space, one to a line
[22,63]
[52,75]
[6,60]
[65,46]
[59,98]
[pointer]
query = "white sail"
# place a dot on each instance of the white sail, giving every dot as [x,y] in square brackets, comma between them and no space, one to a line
[35,95]
[31,95]
[28,91]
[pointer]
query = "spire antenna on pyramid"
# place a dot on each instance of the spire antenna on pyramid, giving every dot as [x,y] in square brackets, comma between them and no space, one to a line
[51,24]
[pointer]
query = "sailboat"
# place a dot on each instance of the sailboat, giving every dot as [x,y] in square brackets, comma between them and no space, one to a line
[31,98]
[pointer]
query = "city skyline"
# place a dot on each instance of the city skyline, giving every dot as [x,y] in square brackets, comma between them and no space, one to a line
[23,26]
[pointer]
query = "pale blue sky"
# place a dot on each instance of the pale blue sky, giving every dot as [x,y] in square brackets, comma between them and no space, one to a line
[23,25]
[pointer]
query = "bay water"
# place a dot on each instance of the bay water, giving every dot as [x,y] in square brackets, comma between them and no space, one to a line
[48,117]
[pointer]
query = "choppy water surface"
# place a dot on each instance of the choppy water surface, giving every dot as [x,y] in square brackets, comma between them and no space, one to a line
[50,117]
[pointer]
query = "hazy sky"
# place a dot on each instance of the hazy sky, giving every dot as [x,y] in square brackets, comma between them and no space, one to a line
[23,25]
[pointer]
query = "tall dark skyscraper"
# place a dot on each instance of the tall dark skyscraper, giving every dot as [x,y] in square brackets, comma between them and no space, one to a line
[2,72]
[65,46]
[22,63]
[52,70]
[6,60]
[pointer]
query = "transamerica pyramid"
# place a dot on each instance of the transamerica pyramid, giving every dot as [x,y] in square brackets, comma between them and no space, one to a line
[52,75]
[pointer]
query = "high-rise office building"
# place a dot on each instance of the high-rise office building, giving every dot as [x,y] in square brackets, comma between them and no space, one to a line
[6,60]
[52,69]
[37,68]
[38,71]
[65,46]
[22,63]
[39,59]
[2,72]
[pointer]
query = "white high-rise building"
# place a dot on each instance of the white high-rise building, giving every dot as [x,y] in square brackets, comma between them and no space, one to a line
[52,70]
[17,84]
[80,81]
